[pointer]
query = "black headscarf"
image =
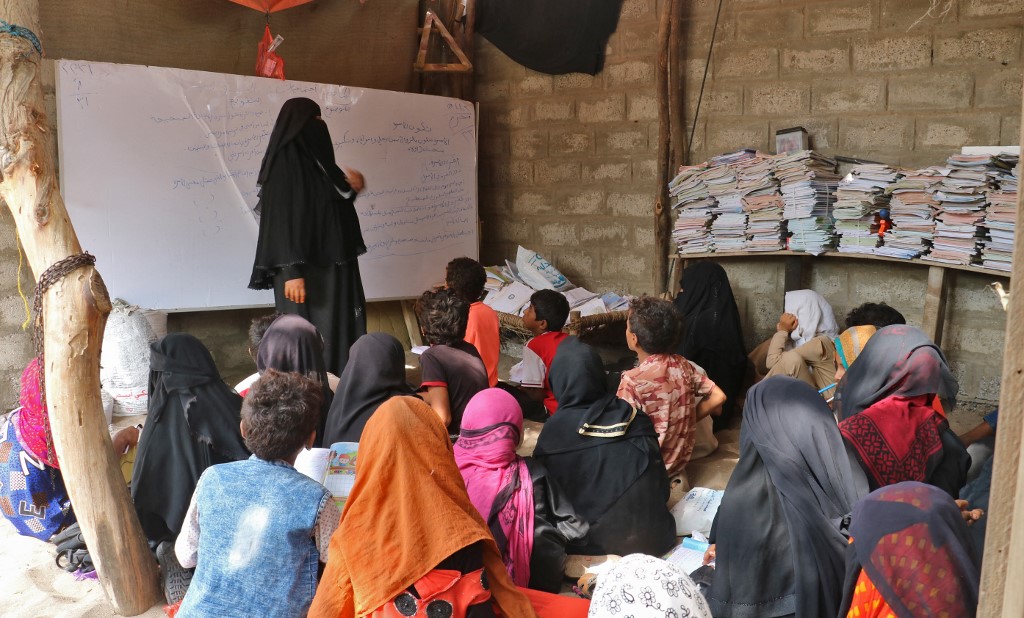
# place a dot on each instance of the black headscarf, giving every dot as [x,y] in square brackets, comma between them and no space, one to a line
[780,548]
[611,443]
[293,344]
[897,360]
[375,373]
[900,530]
[306,208]
[712,335]
[193,424]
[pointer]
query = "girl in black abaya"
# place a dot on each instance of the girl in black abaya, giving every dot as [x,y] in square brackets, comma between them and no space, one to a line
[309,238]
[193,424]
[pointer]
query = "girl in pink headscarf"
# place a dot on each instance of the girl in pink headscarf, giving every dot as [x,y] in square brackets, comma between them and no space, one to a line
[530,518]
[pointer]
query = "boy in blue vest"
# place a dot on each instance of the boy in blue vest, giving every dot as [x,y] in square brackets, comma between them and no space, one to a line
[255,529]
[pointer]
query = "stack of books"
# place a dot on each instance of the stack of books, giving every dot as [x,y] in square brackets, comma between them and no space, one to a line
[808,182]
[1001,215]
[859,199]
[912,207]
[961,210]
[764,222]
[689,197]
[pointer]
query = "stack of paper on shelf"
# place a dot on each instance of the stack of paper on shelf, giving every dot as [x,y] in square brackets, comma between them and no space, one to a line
[1001,215]
[808,182]
[859,198]
[692,203]
[912,207]
[961,210]
[764,222]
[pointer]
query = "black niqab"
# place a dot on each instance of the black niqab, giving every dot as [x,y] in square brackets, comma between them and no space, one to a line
[780,549]
[193,423]
[374,374]
[712,335]
[293,344]
[306,207]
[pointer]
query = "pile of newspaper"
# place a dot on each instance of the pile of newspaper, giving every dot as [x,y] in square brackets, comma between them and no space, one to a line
[808,182]
[860,198]
[912,207]
[1001,215]
[689,197]
[961,210]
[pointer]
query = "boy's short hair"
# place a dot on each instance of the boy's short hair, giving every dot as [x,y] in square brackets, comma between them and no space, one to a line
[466,277]
[257,329]
[279,413]
[657,324]
[443,316]
[878,315]
[551,306]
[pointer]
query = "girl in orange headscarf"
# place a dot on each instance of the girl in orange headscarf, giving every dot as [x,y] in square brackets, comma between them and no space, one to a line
[410,541]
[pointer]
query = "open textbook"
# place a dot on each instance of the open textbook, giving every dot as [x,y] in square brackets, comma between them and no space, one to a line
[333,467]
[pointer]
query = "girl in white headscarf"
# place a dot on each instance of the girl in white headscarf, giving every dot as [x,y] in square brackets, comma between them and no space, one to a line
[645,587]
[802,346]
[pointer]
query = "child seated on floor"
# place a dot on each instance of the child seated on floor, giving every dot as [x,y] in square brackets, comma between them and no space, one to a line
[452,371]
[466,277]
[545,318]
[665,385]
[255,529]
[257,329]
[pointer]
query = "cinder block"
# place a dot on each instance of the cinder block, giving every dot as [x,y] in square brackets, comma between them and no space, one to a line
[554,110]
[494,201]
[492,90]
[646,169]
[529,143]
[642,107]
[718,99]
[777,98]
[823,131]
[494,142]
[574,264]
[617,170]
[573,81]
[902,15]
[532,203]
[533,84]
[507,229]
[970,129]
[504,173]
[742,62]
[15,352]
[632,39]
[634,265]
[549,171]
[941,90]
[774,24]
[829,60]
[604,109]
[571,141]
[998,88]
[823,19]
[12,308]
[607,233]
[643,236]
[503,114]
[629,73]
[632,204]
[585,202]
[634,9]
[978,47]
[975,338]
[985,8]
[859,134]
[622,140]
[848,94]
[1009,131]
[892,53]
[725,134]
[557,234]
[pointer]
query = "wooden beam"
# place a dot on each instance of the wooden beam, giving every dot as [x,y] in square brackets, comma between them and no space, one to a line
[662,211]
[935,304]
[75,311]
[430,23]
[412,323]
[675,89]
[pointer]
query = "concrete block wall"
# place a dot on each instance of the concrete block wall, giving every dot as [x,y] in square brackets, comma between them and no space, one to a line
[864,77]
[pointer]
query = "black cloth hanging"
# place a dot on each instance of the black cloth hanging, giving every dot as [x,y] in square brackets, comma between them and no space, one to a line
[712,335]
[780,548]
[309,229]
[568,36]
[376,374]
[605,455]
[293,344]
[193,423]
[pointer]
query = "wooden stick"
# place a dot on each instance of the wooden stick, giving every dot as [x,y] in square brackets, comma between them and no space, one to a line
[935,304]
[75,312]
[469,47]
[662,213]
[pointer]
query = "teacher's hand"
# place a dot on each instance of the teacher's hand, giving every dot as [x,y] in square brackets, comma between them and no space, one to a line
[355,179]
[295,290]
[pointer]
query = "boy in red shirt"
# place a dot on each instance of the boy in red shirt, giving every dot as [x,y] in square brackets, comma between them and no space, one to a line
[545,318]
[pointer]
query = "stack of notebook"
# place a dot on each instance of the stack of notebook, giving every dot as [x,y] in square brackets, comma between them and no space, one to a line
[912,207]
[1001,215]
[692,204]
[961,210]
[808,182]
[860,198]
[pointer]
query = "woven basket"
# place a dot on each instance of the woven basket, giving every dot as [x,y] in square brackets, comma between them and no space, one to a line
[512,325]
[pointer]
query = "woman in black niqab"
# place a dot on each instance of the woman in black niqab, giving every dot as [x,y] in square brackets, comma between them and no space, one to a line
[712,336]
[193,424]
[309,231]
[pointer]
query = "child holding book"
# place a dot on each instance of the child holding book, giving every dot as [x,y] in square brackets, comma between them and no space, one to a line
[452,369]
[665,385]
[545,318]
[255,529]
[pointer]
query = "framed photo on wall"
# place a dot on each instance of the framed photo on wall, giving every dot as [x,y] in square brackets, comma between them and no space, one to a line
[791,140]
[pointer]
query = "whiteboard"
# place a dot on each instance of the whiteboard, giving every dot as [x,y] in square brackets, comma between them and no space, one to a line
[159,168]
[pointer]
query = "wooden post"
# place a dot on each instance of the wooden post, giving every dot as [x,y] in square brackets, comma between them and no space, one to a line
[412,323]
[75,312]
[469,48]
[662,211]
[675,91]
[935,304]
[1004,533]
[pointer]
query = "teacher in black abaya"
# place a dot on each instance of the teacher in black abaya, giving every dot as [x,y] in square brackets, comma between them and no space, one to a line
[309,238]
